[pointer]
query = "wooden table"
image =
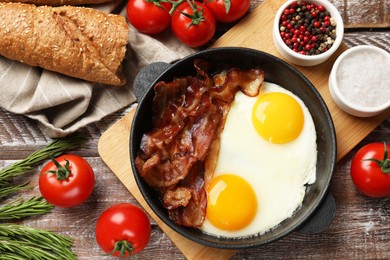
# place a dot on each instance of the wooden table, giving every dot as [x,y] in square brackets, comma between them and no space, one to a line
[360,230]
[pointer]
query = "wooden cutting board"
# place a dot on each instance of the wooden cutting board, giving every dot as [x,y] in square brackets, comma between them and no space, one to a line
[255,31]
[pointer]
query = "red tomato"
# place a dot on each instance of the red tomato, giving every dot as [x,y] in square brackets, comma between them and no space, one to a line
[227,11]
[370,170]
[66,181]
[195,30]
[149,17]
[123,228]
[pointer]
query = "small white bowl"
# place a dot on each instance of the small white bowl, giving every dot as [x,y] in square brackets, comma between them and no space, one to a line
[308,60]
[358,82]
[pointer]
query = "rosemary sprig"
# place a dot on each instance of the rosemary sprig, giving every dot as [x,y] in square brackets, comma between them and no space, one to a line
[21,242]
[53,149]
[20,209]
[6,188]
[11,257]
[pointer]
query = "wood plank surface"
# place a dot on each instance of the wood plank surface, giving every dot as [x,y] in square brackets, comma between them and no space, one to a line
[360,229]
[364,14]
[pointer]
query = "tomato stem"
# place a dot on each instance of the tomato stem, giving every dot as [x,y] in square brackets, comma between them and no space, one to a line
[158,3]
[174,4]
[227,5]
[122,247]
[384,164]
[62,172]
[197,16]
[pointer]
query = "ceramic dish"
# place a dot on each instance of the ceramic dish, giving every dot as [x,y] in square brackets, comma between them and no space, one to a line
[276,71]
[308,60]
[361,93]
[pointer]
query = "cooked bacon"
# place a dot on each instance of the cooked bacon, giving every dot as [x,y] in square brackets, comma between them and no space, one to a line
[250,81]
[178,156]
[179,197]
[170,155]
[194,213]
[228,82]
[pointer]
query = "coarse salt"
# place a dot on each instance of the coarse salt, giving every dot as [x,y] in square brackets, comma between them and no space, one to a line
[363,78]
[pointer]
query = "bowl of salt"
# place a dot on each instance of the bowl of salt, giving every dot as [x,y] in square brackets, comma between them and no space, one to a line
[358,82]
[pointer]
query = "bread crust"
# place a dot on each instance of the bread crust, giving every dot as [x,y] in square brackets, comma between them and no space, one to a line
[58,2]
[79,42]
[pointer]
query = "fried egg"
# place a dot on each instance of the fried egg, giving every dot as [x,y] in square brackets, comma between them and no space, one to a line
[267,156]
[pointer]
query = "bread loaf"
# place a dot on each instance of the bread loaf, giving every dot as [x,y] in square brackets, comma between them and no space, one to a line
[79,42]
[58,2]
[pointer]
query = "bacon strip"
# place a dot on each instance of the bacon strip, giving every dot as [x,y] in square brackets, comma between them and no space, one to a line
[178,156]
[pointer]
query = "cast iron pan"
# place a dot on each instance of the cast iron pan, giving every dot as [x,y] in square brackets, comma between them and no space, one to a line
[318,208]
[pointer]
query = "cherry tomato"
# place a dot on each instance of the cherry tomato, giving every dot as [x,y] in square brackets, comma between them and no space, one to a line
[123,230]
[193,24]
[66,181]
[370,170]
[149,17]
[227,11]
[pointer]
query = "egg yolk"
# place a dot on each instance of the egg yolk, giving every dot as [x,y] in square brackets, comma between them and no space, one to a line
[277,117]
[232,203]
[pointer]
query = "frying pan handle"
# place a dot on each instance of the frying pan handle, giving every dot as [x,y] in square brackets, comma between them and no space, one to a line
[321,219]
[146,76]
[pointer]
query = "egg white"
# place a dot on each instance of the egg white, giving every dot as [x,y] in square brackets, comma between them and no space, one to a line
[278,173]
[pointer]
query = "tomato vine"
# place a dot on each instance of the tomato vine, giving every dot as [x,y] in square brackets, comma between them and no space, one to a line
[154,16]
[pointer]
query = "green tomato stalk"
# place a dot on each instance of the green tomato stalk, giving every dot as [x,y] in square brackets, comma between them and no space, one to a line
[227,4]
[384,164]
[192,3]
[122,247]
[62,172]
[197,16]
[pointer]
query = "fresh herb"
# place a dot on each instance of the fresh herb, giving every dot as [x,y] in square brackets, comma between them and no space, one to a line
[20,209]
[26,165]
[18,242]
[6,188]
[21,242]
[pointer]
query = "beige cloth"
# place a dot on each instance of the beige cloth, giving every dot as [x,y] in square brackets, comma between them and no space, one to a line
[62,104]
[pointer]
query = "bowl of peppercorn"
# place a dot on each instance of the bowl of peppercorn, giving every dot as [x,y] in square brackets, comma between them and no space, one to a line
[307,33]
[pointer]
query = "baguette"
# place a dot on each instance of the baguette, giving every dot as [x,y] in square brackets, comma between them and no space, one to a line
[79,42]
[58,2]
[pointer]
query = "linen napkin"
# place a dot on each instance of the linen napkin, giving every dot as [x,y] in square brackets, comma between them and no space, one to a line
[61,104]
